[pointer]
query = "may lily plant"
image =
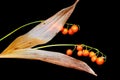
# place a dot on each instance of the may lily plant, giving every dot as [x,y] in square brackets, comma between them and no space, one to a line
[23,46]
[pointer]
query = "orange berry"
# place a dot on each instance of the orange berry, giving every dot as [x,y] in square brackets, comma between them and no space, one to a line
[62,28]
[74,28]
[70,32]
[79,47]
[69,52]
[80,53]
[93,58]
[64,31]
[100,60]
[85,52]
[91,54]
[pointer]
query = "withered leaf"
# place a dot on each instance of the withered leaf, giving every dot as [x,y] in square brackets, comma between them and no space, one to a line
[21,47]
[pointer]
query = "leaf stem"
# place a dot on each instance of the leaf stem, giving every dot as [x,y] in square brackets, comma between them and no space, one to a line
[53,45]
[23,27]
[19,29]
[92,48]
[86,46]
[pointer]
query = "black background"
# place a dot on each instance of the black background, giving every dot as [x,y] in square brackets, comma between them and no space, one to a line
[96,30]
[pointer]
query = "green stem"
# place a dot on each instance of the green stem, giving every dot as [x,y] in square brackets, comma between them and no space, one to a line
[74,48]
[19,29]
[105,57]
[23,27]
[54,45]
[69,24]
[97,51]
[78,26]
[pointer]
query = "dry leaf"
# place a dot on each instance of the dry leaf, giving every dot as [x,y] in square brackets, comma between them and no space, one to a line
[51,57]
[41,34]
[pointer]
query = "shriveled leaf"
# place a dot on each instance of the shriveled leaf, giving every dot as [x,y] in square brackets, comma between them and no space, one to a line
[51,57]
[50,27]
[43,32]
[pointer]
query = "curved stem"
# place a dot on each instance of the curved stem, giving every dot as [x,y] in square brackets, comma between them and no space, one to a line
[23,27]
[97,51]
[78,26]
[69,24]
[19,29]
[105,57]
[54,45]
[74,48]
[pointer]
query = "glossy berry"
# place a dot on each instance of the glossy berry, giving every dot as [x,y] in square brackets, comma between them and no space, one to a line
[80,53]
[100,60]
[64,31]
[91,54]
[93,58]
[79,47]
[69,52]
[70,32]
[85,52]
[74,28]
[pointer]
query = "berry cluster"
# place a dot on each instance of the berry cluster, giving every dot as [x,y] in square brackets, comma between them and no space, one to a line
[82,50]
[70,29]
[87,51]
